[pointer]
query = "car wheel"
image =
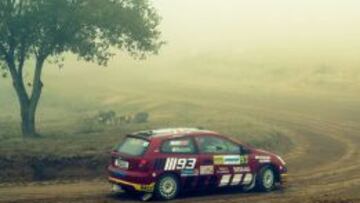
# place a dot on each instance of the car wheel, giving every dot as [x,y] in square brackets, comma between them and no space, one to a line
[167,187]
[266,179]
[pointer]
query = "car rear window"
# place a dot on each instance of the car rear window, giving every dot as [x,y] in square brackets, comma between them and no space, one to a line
[133,146]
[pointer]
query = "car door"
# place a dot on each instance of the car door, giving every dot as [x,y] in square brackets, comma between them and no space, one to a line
[180,156]
[223,155]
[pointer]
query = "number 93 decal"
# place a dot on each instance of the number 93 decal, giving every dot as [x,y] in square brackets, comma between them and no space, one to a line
[179,163]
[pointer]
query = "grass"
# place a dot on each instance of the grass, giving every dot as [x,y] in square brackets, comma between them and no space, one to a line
[212,94]
[217,96]
[77,137]
[71,143]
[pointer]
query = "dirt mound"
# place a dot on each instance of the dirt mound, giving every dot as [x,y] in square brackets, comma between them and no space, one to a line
[35,168]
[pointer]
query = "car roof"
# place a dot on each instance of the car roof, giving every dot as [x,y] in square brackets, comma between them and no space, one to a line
[165,133]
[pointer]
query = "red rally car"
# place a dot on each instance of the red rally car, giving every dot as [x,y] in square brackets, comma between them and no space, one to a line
[166,161]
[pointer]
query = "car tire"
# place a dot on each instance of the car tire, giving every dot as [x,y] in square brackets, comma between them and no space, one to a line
[265,180]
[167,187]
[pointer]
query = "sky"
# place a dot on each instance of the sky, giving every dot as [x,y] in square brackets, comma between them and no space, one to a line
[289,44]
[290,27]
[286,33]
[224,36]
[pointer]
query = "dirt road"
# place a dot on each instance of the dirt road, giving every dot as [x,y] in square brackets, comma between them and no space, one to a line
[324,166]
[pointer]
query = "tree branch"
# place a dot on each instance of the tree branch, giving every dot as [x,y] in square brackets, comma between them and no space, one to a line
[37,83]
[17,79]
[22,56]
[20,7]
[3,51]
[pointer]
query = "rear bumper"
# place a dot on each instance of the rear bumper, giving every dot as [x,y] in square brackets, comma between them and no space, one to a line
[135,186]
[137,181]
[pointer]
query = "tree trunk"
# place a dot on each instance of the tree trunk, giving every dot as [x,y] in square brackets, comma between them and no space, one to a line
[28,105]
[28,127]
[30,110]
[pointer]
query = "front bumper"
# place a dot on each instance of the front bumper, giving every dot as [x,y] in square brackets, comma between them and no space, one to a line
[283,178]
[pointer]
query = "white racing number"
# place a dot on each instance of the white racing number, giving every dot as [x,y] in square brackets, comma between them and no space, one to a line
[179,164]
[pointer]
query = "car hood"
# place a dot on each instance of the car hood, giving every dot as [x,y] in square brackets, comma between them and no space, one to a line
[263,154]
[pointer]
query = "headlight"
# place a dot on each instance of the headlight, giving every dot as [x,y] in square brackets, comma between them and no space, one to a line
[281,160]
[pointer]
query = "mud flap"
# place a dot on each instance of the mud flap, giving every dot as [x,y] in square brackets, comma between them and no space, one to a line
[146,197]
[116,188]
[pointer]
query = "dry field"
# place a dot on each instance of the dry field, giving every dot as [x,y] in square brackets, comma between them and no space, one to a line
[324,161]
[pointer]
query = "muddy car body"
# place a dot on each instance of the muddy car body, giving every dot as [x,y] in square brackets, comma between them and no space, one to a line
[166,161]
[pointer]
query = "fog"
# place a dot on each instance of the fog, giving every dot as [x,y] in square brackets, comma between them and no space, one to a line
[244,46]
[235,38]
[279,75]
[317,31]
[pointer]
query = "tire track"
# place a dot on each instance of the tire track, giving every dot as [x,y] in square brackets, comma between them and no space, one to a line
[328,149]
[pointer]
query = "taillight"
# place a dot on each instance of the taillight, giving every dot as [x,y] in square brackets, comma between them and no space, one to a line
[143,164]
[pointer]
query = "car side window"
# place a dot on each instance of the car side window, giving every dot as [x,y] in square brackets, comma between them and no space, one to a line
[181,146]
[210,144]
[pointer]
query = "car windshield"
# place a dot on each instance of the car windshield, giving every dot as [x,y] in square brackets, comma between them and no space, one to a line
[133,146]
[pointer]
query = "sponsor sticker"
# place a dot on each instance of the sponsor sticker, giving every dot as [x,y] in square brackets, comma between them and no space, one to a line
[189,172]
[179,164]
[247,178]
[218,160]
[207,170]
[236,179]
[240,169]
[179,142]
[180,149]
[263,159]
[243,159]
[225,179]
[232,160]
[222,170]
[227,159]
[147,188]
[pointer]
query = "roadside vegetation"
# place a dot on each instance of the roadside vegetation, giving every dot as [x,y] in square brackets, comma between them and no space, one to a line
[76,140]
[224,82]
[78,137]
